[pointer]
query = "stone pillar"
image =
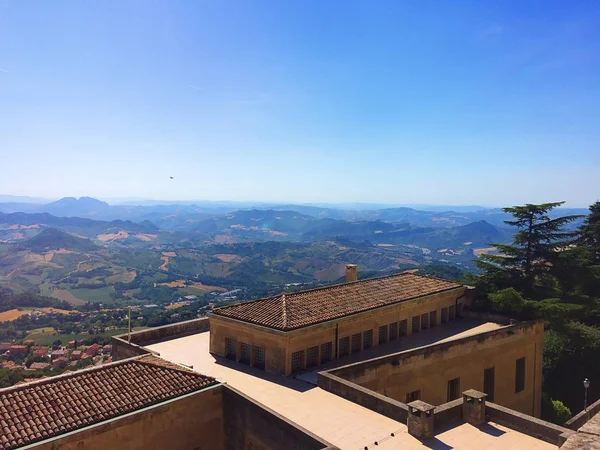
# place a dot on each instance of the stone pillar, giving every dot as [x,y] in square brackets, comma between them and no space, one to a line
[420,419]
[473,408]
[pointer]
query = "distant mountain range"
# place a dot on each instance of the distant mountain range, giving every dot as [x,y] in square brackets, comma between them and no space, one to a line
[186,217]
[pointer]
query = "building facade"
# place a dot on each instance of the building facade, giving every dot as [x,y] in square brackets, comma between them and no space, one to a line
[297,331]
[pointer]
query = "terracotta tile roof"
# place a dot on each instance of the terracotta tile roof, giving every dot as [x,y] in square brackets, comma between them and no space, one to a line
[43,409]
[299,309]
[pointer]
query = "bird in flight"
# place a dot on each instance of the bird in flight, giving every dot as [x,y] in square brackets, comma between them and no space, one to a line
[172,178]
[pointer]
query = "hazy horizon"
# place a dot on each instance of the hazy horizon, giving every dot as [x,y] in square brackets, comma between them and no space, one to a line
[302,102]
[115,201]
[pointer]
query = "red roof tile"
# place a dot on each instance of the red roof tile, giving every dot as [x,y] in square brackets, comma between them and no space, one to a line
[43,409]
[299,309]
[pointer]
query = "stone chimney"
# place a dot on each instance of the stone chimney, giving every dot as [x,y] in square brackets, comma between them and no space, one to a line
[473,409]
[351,274]
[420,419]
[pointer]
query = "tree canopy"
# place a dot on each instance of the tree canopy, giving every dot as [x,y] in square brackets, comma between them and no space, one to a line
[551,272]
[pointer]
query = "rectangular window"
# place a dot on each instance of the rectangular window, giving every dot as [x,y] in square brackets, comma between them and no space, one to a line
[424,321]
[297,360]
[326,352]
[367,339]
[402,327]
[383,334]
[356,338]
[453,389]
[259,357]
[412,396]
[230,349]
[520,375]
[344,346]
[451,312]
[415,324]
[444,317]
[433,318]
[489,376]
[245,353]
[393,331]
[311,356]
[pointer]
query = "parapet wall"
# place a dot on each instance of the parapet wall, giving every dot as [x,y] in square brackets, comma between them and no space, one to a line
[139,339]
[248,424]
[445,414]
[579,419]
[526,424]
[364,397]
[427,369]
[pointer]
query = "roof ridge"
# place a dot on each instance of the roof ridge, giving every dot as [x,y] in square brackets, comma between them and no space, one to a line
[284,315]
[320,288]
[316,305]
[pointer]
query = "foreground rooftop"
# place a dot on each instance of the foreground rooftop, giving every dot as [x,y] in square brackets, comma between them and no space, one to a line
[339,421]
[300,309]
[39,410]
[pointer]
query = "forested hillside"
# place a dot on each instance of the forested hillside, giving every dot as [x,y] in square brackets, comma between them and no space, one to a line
[553,273]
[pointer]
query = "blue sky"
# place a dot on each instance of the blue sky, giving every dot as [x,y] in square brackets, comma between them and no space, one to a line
[492,103]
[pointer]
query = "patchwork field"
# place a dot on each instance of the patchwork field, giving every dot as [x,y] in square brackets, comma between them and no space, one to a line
[195,285]
[177,305]
[46,336]
[101,295]
[146,237]
[226,257]
[67,297]
[482,251]
[11,314]
[165,259]
[112,236]
[122,276]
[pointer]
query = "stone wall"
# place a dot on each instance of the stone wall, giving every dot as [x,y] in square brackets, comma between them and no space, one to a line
[524,423]
[251,426]
[428,369]
[123,349]
[274,342]
[575,422]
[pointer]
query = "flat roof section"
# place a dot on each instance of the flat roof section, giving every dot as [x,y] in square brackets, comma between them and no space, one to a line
[303,308]
[336,420]
[447,332]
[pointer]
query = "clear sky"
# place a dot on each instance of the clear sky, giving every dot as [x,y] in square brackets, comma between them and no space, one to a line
[440,102]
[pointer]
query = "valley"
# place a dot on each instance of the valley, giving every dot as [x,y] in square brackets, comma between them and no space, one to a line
[92,253]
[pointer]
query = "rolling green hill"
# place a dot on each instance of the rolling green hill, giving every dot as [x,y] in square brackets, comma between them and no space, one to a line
[53,239]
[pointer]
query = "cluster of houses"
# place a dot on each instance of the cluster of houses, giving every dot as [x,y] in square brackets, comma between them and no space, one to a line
[14,356]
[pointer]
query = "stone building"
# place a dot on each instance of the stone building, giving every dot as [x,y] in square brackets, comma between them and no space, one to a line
[424,372]
[295,331]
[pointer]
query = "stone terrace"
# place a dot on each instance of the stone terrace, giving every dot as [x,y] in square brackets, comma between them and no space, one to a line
[341,422]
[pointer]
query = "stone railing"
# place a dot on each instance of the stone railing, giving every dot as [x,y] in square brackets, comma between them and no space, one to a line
[577,421]
[122,348]
[546,431]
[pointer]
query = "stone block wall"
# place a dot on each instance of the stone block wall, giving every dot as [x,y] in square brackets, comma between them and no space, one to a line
[428,369]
